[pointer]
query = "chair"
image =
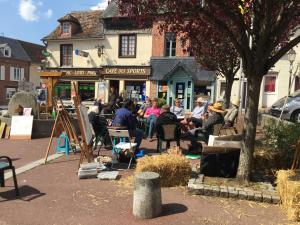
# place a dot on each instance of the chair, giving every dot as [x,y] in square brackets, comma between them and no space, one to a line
[121,143]
[7,165]
[168,133]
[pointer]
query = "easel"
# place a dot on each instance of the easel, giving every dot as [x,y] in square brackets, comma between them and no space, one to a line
[296,161]
[64,119]
[86,148]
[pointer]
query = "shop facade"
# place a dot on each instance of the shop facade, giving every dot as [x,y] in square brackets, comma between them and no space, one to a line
[182,78]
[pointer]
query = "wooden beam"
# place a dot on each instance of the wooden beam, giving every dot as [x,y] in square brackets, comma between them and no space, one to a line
[51,74]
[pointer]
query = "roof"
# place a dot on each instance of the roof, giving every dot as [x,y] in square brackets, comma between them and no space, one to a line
[34,51]
[112,10]
[90,25]
[164,67]
[17,51]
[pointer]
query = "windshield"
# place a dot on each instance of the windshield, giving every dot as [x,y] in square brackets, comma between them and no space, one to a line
[296,93]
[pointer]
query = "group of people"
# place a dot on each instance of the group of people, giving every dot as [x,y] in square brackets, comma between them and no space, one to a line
[195,126]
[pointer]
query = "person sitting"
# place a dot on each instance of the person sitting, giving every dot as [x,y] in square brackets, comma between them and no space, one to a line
[202,133]
[167,117]
[125,118]
[232,113]
[177,109]
[151,115]
[197,114]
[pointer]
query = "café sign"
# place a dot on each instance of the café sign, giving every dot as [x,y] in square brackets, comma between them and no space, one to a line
[78,72]
[127,71]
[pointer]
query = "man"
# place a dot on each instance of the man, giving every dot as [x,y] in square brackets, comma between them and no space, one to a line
[177,109]
[125,118]
[202,133]
[232,113]
[112,99]
[197,114]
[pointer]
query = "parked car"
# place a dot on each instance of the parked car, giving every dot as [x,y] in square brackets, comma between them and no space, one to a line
[291,110]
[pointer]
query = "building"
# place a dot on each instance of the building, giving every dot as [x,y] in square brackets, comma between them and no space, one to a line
[19,63]
[74,55]
[275,84]
[176,74]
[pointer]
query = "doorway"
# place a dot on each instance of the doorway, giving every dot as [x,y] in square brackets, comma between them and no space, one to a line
[115,84]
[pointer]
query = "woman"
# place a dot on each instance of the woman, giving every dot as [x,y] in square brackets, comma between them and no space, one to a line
[151,114]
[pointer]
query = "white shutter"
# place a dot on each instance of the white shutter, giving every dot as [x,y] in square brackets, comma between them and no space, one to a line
[22,74]
[11,73]
[2,72]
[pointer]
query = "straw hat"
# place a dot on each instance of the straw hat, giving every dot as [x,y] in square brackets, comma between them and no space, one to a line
[235,102]
[216,107]
[200,99]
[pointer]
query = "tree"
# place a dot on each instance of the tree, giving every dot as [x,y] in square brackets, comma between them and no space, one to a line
[262,31]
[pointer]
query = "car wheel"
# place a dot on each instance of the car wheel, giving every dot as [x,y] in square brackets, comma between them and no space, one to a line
[296,116]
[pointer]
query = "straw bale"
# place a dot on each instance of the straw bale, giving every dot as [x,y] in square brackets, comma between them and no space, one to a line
[174,170]
[175,150]
[288,187]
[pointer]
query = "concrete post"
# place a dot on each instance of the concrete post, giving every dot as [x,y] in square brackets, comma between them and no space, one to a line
[147,195]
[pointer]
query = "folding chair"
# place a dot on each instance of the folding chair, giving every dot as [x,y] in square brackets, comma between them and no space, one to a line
[6,164]
[121,143]
[167,133]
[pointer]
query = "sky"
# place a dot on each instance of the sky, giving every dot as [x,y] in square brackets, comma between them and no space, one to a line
[31,20]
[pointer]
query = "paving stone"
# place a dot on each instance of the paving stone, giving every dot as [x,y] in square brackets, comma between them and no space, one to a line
[223,193]
[191,185]
[216,191]
[258,197]
[275,199]
[192,180]
[223,187]
[200,178]
[239,189]
[231,188]
[250,195]
[233,193]
[267,198]
[207,190]
[242,195]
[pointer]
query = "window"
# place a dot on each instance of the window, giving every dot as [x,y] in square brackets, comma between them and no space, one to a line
[66,28]
[127,46]
[10,92]
[17,74]
[270,84]
[297,83]
[170,40]
[6,51]
[2,73]
[66,55]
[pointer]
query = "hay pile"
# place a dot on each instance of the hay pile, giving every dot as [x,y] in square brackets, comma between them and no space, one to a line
[174,170]
[288,187]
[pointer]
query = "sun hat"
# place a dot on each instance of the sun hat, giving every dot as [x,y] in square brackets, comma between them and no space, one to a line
[216,107]
[236,102]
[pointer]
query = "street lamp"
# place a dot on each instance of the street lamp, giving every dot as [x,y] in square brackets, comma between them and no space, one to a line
[291,57]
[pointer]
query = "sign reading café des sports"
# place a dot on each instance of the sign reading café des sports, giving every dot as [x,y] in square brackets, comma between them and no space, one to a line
[140,70]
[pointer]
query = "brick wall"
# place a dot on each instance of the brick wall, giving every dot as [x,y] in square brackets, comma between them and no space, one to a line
[153,89]
[158,43]
[9,62]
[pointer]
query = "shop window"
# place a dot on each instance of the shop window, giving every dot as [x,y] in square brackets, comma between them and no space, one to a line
[170,40]
[65,28]
[136,90]
[63,90]
[162,89]
[297,83]
[270,84]
[127,46]
[10,92]
[66,55]
[86,91]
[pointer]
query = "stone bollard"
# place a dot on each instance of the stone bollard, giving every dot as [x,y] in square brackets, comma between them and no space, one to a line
[147,195]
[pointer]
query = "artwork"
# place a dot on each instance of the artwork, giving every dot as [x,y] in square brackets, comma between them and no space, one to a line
[87,126]
[27,111]
[21,127]
[102,91]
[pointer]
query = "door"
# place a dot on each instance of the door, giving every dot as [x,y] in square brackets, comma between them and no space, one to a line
[270,90]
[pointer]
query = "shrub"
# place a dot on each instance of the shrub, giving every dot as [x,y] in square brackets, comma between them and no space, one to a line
[282,138]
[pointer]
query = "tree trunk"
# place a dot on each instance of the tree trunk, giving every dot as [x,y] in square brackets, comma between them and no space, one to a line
[249,130]
[228,88]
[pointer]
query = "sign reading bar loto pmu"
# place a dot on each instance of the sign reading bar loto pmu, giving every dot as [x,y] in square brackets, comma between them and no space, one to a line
[127,70]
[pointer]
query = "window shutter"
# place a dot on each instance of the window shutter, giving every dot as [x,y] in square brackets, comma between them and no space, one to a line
[22,74]
[2,72]
[11,73]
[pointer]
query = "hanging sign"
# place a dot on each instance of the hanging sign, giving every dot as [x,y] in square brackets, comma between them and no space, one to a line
[81,53]
[46,53]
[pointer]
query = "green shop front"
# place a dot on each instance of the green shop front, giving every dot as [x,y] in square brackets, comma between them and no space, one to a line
[182,78]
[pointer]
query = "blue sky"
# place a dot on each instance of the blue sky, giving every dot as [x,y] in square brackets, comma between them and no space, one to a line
[30,20]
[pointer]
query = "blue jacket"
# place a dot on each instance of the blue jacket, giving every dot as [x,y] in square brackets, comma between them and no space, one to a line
[124,117]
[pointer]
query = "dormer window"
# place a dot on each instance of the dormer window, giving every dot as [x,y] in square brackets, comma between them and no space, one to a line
[65,28]
[5,50]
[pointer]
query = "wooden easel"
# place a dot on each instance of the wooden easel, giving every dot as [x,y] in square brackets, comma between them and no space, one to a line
[86,148]
[296,161]
[64,119]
